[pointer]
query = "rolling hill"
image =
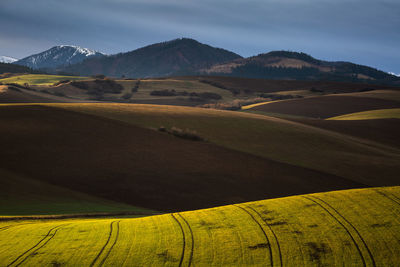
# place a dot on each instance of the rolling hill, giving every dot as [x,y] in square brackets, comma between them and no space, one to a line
[300,66]
[180,56]
[326,106]
[115,152]
[352,227]
[142,167]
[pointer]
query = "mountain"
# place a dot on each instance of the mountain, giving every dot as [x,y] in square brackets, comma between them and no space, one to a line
[177,57]
[58,56]
[299,66]
[5,59]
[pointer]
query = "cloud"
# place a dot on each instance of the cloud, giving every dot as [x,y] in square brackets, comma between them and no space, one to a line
[364,31]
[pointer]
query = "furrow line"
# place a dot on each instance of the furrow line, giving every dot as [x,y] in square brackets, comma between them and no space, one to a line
[192,239]
[36,245]
[105,245]
[112,246]
[47,241]
[346,228]
[183,238]
[262,229]
[394,199]
[273,233]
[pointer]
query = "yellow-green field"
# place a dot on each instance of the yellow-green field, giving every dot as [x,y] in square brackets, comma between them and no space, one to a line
[358,227]
[39,79]
[393,113]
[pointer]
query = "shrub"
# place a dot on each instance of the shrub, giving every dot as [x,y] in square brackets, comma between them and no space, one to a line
[185,134]
[61,82]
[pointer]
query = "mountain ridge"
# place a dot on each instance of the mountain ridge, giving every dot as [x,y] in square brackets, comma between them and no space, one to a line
[58,56]
[178,56]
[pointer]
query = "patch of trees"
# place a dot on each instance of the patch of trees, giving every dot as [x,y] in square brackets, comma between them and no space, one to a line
[99,87]
[14,68]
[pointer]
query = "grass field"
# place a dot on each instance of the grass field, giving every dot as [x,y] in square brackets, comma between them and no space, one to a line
[343,228]
[39,79]
[371,115]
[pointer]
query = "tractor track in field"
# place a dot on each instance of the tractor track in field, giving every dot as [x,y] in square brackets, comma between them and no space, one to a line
[12,225]
[393,198]
[105,245]
[183,238]
[112,246]
[272,231]
[314,200]
[262,229]
[192,238]
[38,246]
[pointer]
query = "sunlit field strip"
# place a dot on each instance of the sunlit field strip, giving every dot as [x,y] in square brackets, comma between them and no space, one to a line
[358,227]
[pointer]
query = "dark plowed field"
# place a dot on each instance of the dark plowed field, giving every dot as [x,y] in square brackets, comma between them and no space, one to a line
[140,166]
[326,106]
[385,131]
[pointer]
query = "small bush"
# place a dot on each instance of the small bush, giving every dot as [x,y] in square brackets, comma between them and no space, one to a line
[61,82]
[185,134]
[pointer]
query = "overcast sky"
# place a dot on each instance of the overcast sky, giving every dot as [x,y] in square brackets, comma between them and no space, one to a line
[362,31]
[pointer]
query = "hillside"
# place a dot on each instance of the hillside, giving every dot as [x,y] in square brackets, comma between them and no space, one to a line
[300,66]
[342,228]
[58,56]
[140,166]
[326,106]
[180,56]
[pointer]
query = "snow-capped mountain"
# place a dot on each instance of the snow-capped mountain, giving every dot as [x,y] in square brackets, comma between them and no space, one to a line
[4,59]
[58,56]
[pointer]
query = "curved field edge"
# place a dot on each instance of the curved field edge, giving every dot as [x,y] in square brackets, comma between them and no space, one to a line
[393,113]
[23,196]
[273,138]
[359,227]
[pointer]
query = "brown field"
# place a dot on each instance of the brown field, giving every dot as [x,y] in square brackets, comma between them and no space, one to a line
[385,131]
[326,106]
[270,86]
[122,162]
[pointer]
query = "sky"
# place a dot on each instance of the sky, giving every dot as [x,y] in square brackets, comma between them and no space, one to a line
[361,31]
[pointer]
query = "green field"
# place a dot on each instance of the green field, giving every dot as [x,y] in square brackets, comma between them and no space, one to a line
[39,79]
[393,113]
[358,227]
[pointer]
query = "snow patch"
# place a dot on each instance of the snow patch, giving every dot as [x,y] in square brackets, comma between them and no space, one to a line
[5,59]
